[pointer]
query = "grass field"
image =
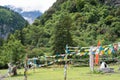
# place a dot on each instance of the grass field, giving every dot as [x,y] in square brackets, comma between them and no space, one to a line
[73,73]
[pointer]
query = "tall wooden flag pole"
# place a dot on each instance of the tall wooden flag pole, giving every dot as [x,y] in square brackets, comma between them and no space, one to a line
[65,68]
[65,59]
[91,59]
[25,67]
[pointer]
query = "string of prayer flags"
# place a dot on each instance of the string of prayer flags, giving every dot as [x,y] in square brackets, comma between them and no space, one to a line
[101,50]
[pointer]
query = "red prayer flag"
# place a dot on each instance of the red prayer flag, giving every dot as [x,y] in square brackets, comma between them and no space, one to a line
[96,59]
[98,43]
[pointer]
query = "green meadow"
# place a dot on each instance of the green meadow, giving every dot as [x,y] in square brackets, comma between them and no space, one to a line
[73,73]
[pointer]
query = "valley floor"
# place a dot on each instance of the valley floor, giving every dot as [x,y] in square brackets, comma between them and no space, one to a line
[73,73]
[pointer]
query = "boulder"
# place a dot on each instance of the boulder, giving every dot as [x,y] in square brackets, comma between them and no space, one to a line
[105,69]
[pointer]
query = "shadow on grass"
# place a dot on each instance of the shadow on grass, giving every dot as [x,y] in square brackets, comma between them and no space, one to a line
[96,72]
[21,75]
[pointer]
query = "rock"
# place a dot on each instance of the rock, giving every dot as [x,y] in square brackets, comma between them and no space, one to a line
[107,70]
[103,65]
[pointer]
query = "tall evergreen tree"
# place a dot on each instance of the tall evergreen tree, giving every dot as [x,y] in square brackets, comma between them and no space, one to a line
[13,51]
[62,34]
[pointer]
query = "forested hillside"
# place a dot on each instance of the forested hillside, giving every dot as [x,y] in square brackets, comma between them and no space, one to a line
[91,20]
[9,22]
[72,22]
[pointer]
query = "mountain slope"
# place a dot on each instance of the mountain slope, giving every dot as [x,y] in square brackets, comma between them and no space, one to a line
[30,16]
[10,21]
[93,20]
[90,21]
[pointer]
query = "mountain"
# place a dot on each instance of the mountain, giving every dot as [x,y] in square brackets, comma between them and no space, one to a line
[10,21]
[30,16]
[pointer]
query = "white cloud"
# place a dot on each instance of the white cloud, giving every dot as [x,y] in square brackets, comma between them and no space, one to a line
[29,5]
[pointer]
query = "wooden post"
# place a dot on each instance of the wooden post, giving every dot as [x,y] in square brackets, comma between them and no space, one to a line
[46,61]
[65,68]
[91,59]
[25,67]
[65,72]
[91,62]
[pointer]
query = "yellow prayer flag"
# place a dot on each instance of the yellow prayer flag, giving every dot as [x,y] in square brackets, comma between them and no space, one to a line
[102,52]
[109,51]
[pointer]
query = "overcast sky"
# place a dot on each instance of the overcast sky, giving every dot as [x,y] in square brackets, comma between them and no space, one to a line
[29,5]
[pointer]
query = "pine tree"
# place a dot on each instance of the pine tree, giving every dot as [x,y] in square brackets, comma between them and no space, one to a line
[62,34]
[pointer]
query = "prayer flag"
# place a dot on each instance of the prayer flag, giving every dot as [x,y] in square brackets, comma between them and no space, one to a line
[109,51]
[96,59]
[98,43]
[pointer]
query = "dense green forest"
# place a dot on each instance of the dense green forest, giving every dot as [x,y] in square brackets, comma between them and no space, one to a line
[87,21]
[72,22]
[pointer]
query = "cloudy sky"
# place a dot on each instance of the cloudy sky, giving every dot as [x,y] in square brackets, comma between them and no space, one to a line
[29,5]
